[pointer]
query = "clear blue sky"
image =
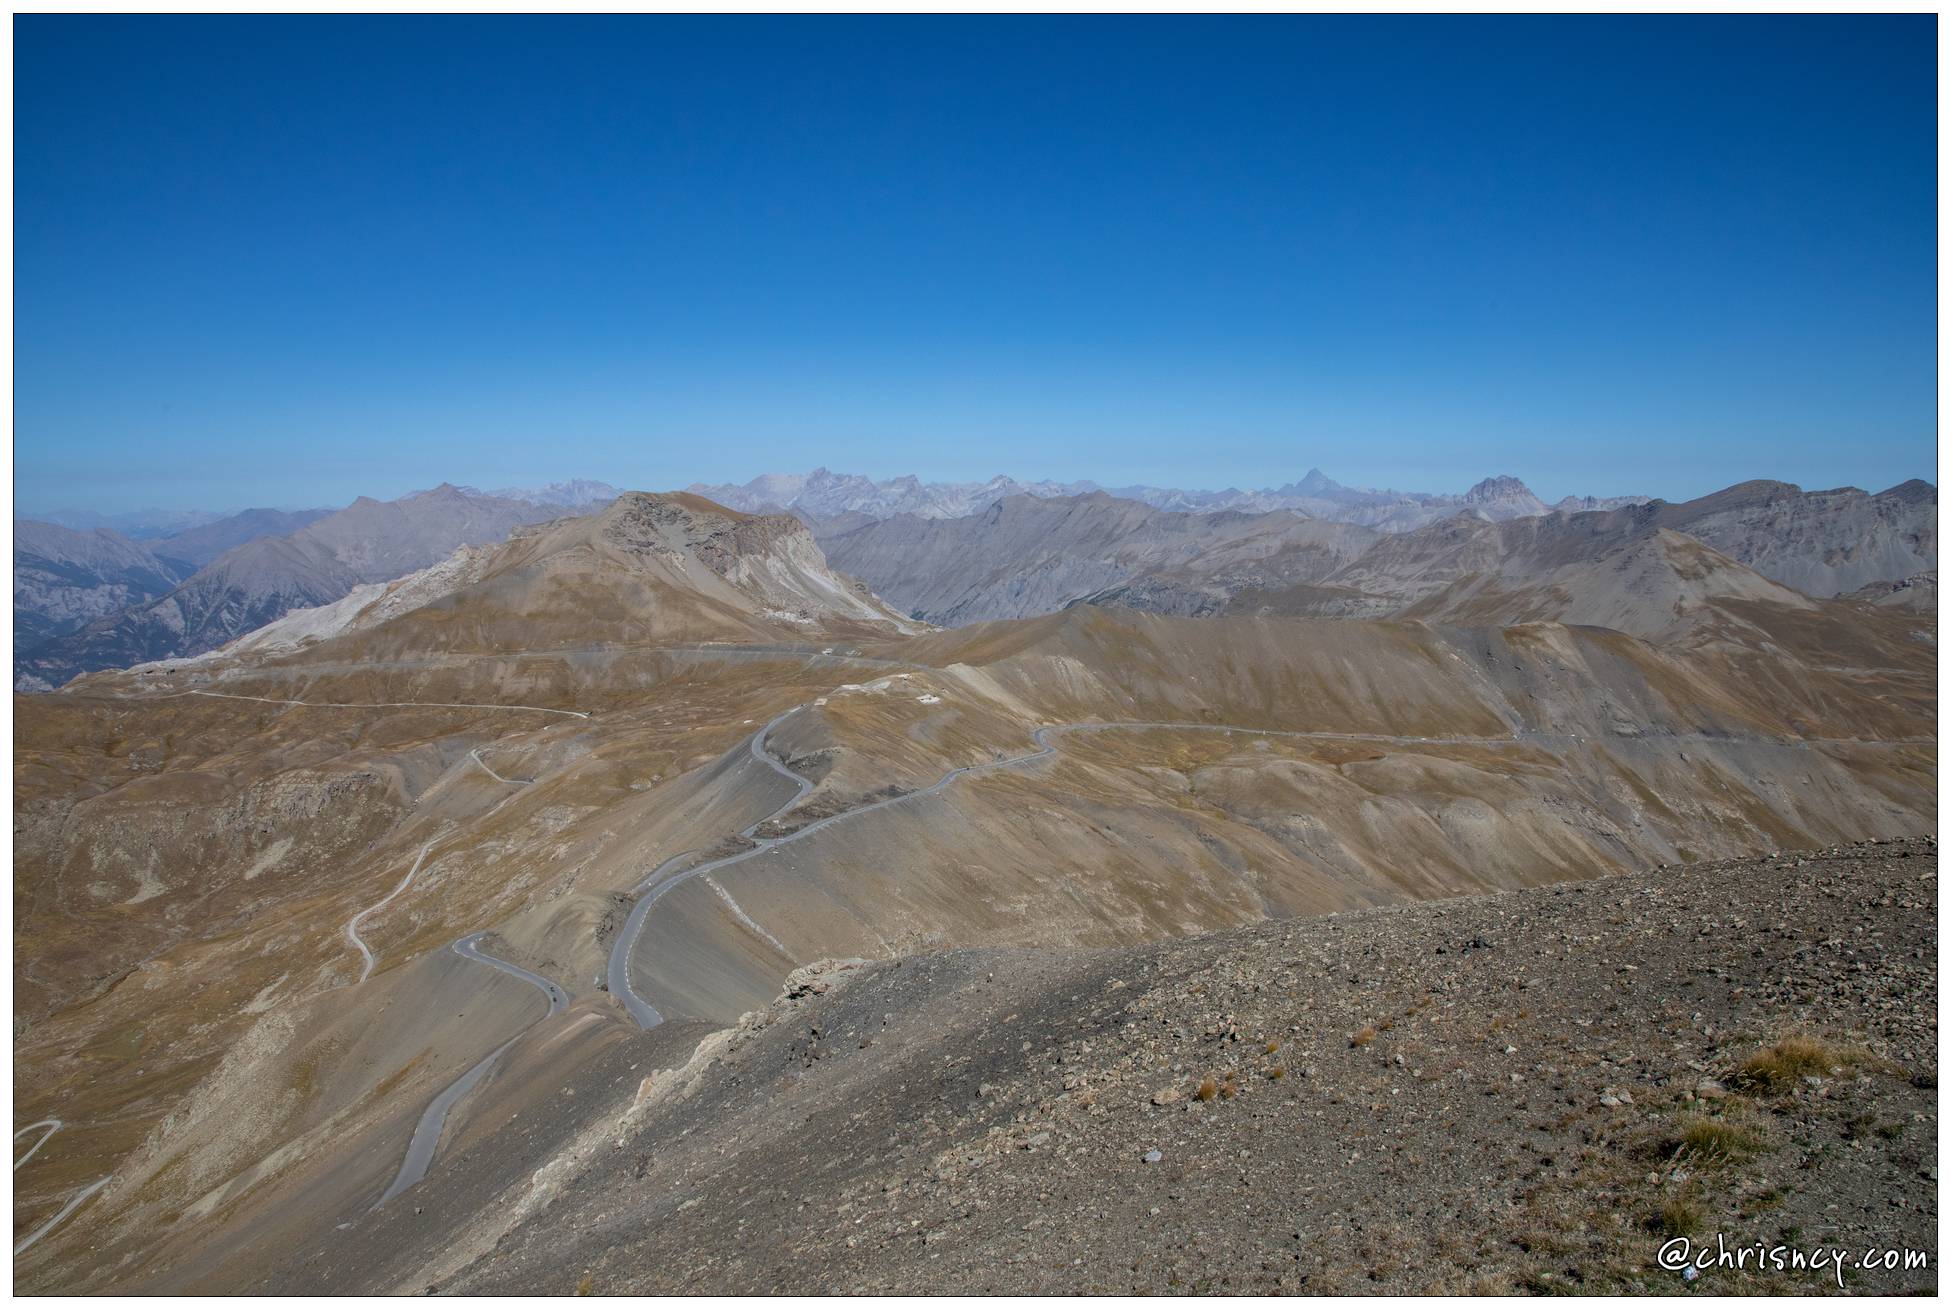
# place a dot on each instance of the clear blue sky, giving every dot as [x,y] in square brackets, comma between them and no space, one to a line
[287,261]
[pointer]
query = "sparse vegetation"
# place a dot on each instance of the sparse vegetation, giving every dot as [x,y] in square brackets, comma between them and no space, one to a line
[1679,1215]
[1783,1065]
[1364,1037]
[1711,1143]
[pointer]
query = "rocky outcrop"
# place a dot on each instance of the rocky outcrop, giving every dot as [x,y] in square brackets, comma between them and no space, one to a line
[1917,592]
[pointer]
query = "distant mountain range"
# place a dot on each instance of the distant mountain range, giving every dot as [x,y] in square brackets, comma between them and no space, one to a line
[65,579]
[102,602]
[954,553]
[1032,555]
[645,566]
[579,494]
[135,524]
[823,496]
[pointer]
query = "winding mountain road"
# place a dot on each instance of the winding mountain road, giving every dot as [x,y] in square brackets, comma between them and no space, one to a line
[617,978]
[74,1203]
[352,924]
[647,1015]
[468,948]
[53,1126]
[656,884]
[426,1134]
[425,1141]
[488,769]
[368,705]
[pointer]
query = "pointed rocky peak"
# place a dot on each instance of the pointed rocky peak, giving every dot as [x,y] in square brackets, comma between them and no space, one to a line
[1915,491]
[1317,483]
[1501,487]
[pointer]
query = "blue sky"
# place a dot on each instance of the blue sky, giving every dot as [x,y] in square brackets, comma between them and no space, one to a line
[288,261]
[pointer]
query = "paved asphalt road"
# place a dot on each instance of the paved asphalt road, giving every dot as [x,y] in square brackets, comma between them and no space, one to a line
[426,1134]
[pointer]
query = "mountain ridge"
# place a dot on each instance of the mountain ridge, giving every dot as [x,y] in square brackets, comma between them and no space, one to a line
[261,580]
[824,495]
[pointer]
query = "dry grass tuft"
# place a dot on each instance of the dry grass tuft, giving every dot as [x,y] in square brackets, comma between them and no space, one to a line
[1713,1142]
[1679,1214]
[1364,1037]
[1782,1066]
[1208,1089]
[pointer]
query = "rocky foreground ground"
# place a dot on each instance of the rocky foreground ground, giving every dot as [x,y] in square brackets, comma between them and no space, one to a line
[1535,1091]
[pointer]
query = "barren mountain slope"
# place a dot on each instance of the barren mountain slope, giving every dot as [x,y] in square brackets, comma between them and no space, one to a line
[1823,543]
[255,583]
[646,569]
[1027,555]
[1615,570]
[1621,569]
[237,918]
[1917,593]
[1494,552]
[200,545]
[1532,1091]
[63,578]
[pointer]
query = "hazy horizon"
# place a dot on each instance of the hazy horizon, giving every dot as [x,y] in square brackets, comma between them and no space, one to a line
[539,482]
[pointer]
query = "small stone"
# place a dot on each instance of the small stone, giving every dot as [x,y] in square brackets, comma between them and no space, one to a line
[1154,1155]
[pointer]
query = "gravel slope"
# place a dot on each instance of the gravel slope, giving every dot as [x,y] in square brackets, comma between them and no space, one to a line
[1479,1094]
